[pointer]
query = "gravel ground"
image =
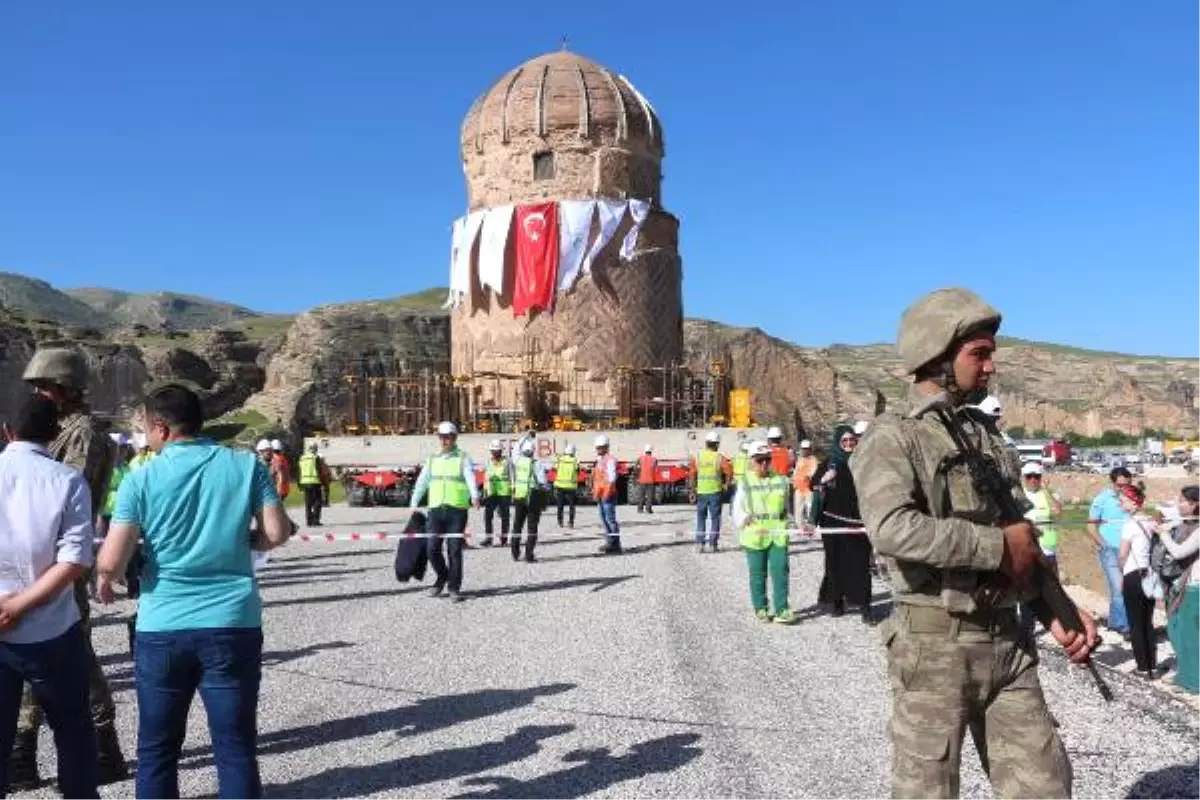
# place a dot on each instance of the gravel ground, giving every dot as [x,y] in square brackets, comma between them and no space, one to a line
[642,674]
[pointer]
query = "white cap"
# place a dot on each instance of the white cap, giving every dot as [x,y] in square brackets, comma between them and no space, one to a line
[774,432]
[262,445]
[805,444]
[758,449]
[990,405]
[602,441]
[495,446]
[277,445]
[569,450]
[1031,468]
[447,429]
[527,447]
[648,449]
[713,437]
[312,447]
[139,440]
[860,427]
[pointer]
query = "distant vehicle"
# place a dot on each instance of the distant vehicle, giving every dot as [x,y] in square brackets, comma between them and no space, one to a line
[1058,451]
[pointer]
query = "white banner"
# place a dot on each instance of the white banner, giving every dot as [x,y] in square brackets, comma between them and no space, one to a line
[611,212]
[492,242]
[456,234]
[574,227]
[460,270]
[639,210]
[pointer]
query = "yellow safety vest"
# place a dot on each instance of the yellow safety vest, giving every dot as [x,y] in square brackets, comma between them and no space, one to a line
[739,466]
[708,472]
[497,478]
[447,486]
[766,499]
[523,479]
[140,460]
[310,473]
[1041,514]
[566,474]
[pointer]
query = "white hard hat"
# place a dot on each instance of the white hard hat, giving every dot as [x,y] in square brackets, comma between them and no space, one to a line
[713,437]
[602,441]
[805,445]
[447,429]
[759,449]
[990,405]
[262,445]
[648,449]
[277,445]
[860,427]
[1031,468]
[570,450]
[527,447]
[744,447]
[139,441]
[495,446]
[774,432]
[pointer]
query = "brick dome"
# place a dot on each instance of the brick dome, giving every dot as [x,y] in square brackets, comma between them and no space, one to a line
[562,92]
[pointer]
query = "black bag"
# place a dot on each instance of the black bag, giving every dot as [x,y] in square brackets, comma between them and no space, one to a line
[412,557]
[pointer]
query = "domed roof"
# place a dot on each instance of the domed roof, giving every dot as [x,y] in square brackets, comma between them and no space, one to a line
[562,92]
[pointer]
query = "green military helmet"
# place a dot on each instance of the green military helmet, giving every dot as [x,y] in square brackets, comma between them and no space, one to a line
[58,365]
[934,323]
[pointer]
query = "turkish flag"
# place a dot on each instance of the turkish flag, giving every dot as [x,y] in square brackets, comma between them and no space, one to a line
[537,257]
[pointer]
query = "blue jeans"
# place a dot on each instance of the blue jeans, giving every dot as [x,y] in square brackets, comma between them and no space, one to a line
[1118,620]
[708,506]
[608,517]
[225,664]
[57,671]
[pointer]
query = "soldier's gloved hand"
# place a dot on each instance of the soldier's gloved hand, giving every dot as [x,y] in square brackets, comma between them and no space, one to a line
[1079,646]
[1021,551]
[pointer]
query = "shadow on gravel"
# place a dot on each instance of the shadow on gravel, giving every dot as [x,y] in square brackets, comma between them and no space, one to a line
[294,557]
[295,580]
[627,551]
[417,770]
[598,584]
[341,598]
[597,769]
[1180,780]
[425,715]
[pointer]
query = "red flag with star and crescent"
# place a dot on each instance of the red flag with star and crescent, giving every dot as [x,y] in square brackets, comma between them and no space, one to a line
[537,258]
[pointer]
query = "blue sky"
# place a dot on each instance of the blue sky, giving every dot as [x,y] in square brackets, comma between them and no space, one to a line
[829,161]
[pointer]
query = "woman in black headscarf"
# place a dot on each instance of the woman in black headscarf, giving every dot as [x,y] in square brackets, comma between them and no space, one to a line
[835,505]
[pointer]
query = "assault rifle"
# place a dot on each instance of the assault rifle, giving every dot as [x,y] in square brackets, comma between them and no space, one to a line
[986,477]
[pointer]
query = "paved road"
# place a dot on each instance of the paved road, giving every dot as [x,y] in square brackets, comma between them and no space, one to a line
[581,675]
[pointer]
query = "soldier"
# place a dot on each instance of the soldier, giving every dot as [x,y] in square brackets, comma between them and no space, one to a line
[60,375]
[957,658]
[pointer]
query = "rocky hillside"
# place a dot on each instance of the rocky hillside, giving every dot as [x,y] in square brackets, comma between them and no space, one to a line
[39,301]
[160,310]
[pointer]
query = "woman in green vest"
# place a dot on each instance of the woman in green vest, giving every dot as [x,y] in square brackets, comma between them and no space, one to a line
[760,510]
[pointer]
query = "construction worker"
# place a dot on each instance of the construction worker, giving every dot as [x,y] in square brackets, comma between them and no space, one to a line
[449,478]
[760,510]
[529,490]
[497,487]
[566,483]
[604,492]
[61,375]
[281,469]
[782,457]
[264,452]
[314,482]
[647,478]
[806,465]
[706,484]
[120,469]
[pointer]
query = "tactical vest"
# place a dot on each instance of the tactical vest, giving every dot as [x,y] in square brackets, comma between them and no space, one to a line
[566,474]
[497,478]
[447,486]
[766,499]
[310,471]
[708,472]
[523,478]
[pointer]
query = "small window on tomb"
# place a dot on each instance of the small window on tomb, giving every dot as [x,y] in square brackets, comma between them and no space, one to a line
[543,166]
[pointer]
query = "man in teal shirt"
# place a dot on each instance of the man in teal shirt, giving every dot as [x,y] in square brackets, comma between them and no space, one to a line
[199,625]
[1105,522]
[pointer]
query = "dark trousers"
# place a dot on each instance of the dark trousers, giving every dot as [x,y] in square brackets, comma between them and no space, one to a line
[708,508]
[314,498]
[491,506]
[565,497]
[57,670]
[527,511]
[225,664]
[448,568]
[646,498]
[1140,610]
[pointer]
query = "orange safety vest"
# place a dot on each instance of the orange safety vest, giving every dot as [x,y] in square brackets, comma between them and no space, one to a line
[283,477]
[781,460]
[647,466]
[805,468]
[601,488]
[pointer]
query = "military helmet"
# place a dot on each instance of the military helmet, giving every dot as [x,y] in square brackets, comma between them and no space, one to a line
[60,366]
[934,323]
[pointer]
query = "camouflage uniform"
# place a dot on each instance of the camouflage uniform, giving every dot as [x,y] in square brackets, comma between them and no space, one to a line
[955,660]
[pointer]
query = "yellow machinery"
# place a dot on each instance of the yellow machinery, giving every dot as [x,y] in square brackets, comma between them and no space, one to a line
[739,408]
[566,424]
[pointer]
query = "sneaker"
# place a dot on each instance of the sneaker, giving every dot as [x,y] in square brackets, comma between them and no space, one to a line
[504,541]
[700,548]
[531,559]
[437,590]
[762,615]
[455,597]
[785,617]
[487,542]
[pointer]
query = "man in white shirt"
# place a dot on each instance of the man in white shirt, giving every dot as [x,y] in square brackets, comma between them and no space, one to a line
[46,544]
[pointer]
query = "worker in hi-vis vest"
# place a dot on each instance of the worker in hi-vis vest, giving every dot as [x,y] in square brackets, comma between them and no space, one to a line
[647,478]
[497,488]
[760,510]
[604,492]
[314,482]
[566,483]
[706,484]
[529,492]
[449,478]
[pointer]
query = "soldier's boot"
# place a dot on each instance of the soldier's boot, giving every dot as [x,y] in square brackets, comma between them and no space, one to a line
[22,766]
[112,761]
